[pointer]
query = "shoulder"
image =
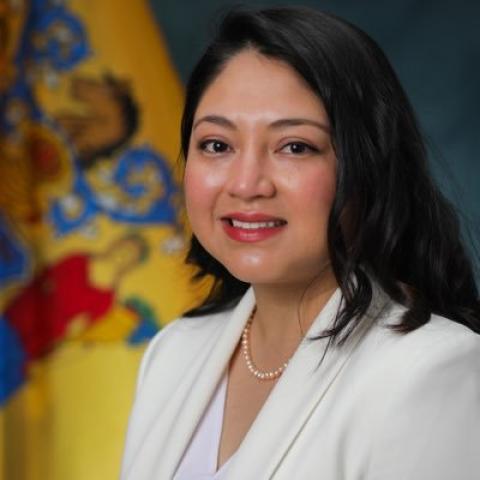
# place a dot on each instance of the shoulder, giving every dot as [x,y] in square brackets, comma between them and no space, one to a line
[184,334]
[417,372]
[425,399]
[439,341]
[182,342]
[441,349]
[440,355]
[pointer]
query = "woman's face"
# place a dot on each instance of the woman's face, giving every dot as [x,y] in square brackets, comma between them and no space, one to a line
[260,172]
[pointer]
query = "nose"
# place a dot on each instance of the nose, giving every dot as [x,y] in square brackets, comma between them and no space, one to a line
[251,176]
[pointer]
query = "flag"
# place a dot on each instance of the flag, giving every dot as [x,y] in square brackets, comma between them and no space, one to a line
[92,233]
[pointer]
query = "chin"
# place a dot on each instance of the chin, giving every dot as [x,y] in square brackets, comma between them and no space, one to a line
[256,274]
[272,273]
[248,274]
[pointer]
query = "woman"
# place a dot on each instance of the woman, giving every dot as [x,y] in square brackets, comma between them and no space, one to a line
[340,338]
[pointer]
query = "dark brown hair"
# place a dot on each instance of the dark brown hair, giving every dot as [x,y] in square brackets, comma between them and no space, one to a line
[404,234]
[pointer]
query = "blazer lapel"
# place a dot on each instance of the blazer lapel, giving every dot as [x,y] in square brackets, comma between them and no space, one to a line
[173,427]
[294,398]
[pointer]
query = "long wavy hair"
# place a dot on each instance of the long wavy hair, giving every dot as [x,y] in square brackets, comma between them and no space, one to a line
[401,231]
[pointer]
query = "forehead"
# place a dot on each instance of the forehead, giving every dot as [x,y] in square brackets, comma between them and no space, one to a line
[251,83]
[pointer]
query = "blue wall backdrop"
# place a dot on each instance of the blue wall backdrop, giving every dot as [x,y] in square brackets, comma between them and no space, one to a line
[435,49]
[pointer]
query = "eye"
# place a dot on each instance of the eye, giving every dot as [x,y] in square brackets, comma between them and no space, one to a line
[298,148]
[213,146]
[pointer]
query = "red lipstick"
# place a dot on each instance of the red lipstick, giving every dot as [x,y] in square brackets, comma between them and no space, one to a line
[250,227]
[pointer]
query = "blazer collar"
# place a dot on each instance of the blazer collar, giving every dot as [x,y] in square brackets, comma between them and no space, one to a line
[293,399]
[299,390]
[172,427]
[205,379]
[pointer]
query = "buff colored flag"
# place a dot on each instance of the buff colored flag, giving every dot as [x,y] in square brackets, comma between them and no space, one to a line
[91,228]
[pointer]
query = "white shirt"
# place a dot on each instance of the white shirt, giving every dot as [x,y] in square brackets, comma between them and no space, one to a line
[199,461]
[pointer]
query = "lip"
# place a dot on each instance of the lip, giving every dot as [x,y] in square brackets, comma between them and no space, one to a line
[248,235]
[252,217]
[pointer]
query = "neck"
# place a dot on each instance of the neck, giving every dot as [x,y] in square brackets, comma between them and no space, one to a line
[285,312]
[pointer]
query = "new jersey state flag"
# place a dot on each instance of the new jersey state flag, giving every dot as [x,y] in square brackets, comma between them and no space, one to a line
[92,234]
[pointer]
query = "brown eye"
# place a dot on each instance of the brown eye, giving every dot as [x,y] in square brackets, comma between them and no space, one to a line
[214,146]
[298,148]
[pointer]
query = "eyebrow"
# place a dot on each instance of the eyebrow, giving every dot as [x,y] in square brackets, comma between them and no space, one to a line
[293,122]
[277,124]
[217,120]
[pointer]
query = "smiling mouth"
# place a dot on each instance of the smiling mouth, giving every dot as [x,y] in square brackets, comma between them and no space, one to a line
[252,228]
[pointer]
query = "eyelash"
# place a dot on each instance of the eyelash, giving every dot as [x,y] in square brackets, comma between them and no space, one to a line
[203,146]
[205,143]
[306,146]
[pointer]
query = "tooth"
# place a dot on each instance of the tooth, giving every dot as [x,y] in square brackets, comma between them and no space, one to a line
[255,225]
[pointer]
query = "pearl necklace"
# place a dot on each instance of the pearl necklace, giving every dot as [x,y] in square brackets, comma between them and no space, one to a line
[261,375]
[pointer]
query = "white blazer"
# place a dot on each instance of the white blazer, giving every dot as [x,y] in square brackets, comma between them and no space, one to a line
[385,406]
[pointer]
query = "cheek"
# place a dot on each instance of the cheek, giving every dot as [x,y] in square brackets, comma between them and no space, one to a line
[322,194]
[313,192]
[201,186]
[203,175]
[191,184]
[194,187]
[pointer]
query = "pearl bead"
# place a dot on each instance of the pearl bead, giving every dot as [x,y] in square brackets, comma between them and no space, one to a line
[248,359]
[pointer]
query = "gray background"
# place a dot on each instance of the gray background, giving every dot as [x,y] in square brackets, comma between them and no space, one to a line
[433,45]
